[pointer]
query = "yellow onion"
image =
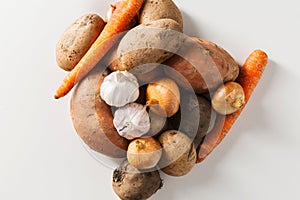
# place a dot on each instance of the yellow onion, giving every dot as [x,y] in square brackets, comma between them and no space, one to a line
[144,153]
[163,97]
[228,98]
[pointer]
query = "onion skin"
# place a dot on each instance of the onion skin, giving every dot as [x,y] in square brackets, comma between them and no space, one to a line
[228,98]
[163,97]
[144,153]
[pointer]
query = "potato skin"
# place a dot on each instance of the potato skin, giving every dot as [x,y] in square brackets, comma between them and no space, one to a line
[179,153]
[112,61]
[147,45]
[160,9]
[215,64]
[92,117]
[129,183]
[77,39]
[194,118]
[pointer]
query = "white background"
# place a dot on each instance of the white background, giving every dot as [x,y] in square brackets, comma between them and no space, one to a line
[41,156]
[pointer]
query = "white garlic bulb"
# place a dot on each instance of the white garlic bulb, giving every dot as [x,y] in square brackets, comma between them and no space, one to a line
[132,121]
[119,88]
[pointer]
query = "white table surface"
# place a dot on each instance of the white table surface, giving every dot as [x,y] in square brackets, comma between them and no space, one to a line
[41,157]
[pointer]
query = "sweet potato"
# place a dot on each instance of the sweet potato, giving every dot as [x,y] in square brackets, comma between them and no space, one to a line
[93,119]
[203,64]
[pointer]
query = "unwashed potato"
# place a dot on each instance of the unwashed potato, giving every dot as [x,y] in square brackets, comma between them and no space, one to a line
[130,183]
[151,76]
[160,9]
[195,117]
[93,119]
[112,61]
[179,153]
[77,39]
[203,64]
[147,45]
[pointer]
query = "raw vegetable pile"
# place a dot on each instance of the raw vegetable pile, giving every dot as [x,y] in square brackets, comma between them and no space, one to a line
[150,94]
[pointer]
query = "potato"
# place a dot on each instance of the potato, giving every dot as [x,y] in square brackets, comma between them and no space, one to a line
[179,153]
[160,9]
[77,39]
[195,117]
[157,124]
[93,119]
[214,64]
[151,76]
[112,61]
[129,183]
[147,45]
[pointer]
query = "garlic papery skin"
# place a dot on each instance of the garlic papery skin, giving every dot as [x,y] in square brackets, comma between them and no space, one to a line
[132,121]
[119,88]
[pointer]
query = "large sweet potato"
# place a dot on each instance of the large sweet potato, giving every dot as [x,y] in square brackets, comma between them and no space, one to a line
[93,119]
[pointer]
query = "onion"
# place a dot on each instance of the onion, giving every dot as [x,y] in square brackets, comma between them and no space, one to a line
[144,153]
[228,98]
[163,97]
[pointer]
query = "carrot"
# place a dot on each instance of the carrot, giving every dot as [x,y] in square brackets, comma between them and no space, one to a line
[111,11]
[248,78]
[121,17]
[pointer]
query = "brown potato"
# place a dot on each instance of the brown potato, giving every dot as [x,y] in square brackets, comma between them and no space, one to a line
[214,64]
[93,119]
[77,39]
[112,61]
[147,45]
[160,9]
[195,117]
[148,77]
[179,153]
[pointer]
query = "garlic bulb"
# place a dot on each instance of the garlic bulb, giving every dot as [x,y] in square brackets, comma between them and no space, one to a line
[132,121]
[119,88]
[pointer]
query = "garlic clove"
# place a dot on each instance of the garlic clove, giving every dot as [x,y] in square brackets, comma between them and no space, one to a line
[132,121]
[119,88]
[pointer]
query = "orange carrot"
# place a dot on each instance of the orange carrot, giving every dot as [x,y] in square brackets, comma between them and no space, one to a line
[121,17]
[111,11]
[249,76]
